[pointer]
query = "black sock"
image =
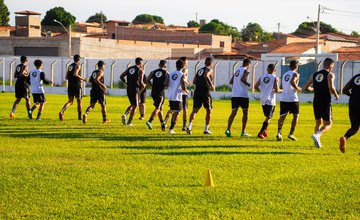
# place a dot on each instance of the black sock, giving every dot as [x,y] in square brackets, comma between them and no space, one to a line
[184,123]
[38,116]
[162,121]
[142,115]
[279,130]
[151,120]
[130,120]
[104,117]
[292,131]
[33,108]
[172,125]
[264,127]
[79,115]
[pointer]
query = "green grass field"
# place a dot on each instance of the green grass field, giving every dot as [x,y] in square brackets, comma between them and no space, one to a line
[50,169]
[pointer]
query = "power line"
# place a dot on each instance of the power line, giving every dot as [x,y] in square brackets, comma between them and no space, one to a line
[341,11]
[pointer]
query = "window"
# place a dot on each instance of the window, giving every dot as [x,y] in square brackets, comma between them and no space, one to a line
[222,44]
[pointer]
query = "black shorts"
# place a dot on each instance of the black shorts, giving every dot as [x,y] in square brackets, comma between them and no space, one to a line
[158,101]
[175,106]
[185,101]
[323,111]
[237,102]
[268,110]
[205,100]
[133,98]
[142,97]
[289,107]
[22,92]
[39,98]
[97,97]
[75,92]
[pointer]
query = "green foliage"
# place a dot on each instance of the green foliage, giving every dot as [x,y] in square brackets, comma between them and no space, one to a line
[59,14]
[355,34]
[311,27]
[220,28]
[4,14]
[147,19]
[98,18]
[193,23]
[254,32]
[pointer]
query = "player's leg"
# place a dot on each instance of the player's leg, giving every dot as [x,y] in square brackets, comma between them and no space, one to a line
[355,124]
[230,121]
[191,119]
[185,111]
[132,114]
[67,104]
[17,101]
[103,111]
[268,112]
[293,127]
[42,102]
[157,104]
[28,107]
[173,122]
[167,116]
[207,121]
[79,107]
[280,125]
[88,110]
[244,123]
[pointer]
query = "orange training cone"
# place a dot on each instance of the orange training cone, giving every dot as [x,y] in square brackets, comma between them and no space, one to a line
[209,180]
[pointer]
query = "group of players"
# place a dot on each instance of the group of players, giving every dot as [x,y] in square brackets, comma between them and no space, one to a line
[176,83]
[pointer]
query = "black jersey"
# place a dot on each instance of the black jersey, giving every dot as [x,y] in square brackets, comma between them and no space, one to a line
[74,82]
[21,81]
[355,92]
[202,87]
[158,82]
[96,87]
[133,78]
[321,87]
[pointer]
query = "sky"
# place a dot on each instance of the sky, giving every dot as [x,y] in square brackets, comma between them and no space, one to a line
[236,13]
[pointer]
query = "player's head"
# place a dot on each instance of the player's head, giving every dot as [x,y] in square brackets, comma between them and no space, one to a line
[185,60]
[208,62]
[38,64]
[162,64]
[294,64]
[101,65]
[77,58]
[180,65]
[23,59]
[329,64]
[246,62]
[271,68]
[138,61]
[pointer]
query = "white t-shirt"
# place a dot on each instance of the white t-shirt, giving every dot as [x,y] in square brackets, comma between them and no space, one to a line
[239,89]
[267,92]
[174,90]
[289,92]
[36,84]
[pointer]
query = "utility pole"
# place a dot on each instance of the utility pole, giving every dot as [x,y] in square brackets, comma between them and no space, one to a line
[196,18]
[69,33]
[317,51]
[278,30]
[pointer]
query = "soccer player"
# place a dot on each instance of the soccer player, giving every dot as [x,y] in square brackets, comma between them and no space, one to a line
[176,87]
[352,89]
[97,93]
[290,101]
[268,85]
[185,71]
[240,97]
[37,79]
[142,100]
[135,85]
[158,78]
[203,82]
[73,76]
[21,86]
[323,87]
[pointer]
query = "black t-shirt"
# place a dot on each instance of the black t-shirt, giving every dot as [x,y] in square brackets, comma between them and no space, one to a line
[96,87]
[21,81]
[158,82]
[74,82]
[321,87]
[202,88]
[355,92]
[133,77]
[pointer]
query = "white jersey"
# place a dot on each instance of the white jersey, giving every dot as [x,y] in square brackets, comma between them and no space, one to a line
[267,92]
[289,92]
[36,84]
[174,90]
[239,89]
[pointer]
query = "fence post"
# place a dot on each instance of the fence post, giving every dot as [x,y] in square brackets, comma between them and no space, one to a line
[52,72]
[83,74]
[3,73]
[215,73]
[342,76]
[234,66]
[253,76]
[197,66]
[67,67]
[319,65]
[11,72]
[144,66]
[112,75]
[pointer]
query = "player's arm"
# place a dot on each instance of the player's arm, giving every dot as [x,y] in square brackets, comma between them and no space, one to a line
[183,84]
[185,72]
[122,77]
[195,79]
[276,86]
[43,78]
[97,81]
[308,84]
[166,83]
[142,77]
[347,88]
[244,78]
[25,71]
[257,85]
[209,83]
[77,74]
[294,81]
[149,78]
[332,88]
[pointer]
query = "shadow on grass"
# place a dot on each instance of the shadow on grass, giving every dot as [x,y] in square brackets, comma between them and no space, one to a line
[201,153]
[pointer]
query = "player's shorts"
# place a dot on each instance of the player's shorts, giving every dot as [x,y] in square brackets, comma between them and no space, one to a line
[142,97]
[175,106]
[97,97]
[75,92]
[289,107]
[22,92]
[268,110]
[237,102]
[39,98]
[205,100]
[133,98]
[323,111]
[158,101]
[184,101]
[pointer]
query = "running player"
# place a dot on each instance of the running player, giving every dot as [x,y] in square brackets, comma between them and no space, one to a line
[158,78]
[203,82]
[185,71]
[240,97]
[352,89]
[21,86]
[37,79]
[73,76]
[97,93]
[135,85]
[290,101]
[268,85]
[323,87]
[142,100]
[176,87]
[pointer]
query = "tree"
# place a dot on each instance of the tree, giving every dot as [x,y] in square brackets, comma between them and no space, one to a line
[220,28]
[193,23]
[98,18]
[158,19]
[254,32]
[310,27]
[355,34]
[148,19]
[59,14]
[4,14]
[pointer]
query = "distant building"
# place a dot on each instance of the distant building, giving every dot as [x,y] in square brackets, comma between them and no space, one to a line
[28,24]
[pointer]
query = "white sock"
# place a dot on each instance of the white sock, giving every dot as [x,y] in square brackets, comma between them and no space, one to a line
[207,127]
[318,134]
[190,125]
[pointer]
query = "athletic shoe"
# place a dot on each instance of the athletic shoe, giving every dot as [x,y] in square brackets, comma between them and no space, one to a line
[343,144]
[123,119]
[228,134]
[171,131]
[38,119]
[163,127]
[84,119]
[188,131]
[261,136]
[148,124]
[141,118]
[316,141]
[279,137]
[30,115]
[244,134]
[266,133]
[61,116]
[130,125]
[292,137]
[184,129]
[207,132]
[12,115]
[106,121]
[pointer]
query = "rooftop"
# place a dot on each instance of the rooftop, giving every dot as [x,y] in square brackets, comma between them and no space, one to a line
[27,13]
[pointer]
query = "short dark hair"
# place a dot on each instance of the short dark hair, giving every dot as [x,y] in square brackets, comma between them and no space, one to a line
[138,60]
[162,63]
[208,61]
[294,64]
[100,64]
[180,64]
[246,62]
[328,62]
[184,59]
[38,63]
[271,67]
[23,59]
[77,58]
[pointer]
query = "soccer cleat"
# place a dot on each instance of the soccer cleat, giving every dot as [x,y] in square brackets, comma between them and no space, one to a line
[106,121]
[84,119]
[12,115]
[38,119]
[208,132]
[61,116]
[148,124]
[171,131]
[123,119]
[343,145]
[228,134]
[266,133]
[261,136]
[292,137]
[316,141]
[279,137]
[130,125]
[163,127]
[244,134]
[184,129]
[189,131]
